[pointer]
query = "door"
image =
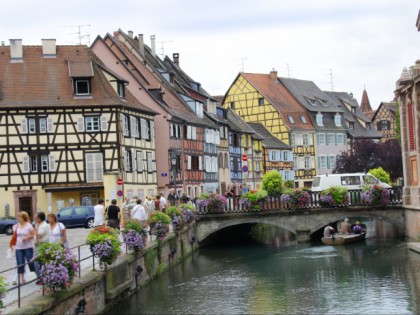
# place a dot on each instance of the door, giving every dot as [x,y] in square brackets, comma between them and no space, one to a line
[25,204]
[66,216]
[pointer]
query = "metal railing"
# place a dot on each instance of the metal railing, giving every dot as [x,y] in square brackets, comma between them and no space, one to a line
[275,203]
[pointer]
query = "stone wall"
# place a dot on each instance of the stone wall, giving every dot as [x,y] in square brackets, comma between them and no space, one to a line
[412,223]
[103,289]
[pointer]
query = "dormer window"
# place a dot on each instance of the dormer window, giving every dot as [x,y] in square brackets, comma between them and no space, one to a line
[303,119]
[353,110]
[82,86]
[319,121]
[121,89]
[351,125]
[292,121]
[311,101]
[368,126]
[323,102]
[337,120]
[199,109]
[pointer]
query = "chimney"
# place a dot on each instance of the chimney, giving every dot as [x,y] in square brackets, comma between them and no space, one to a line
[117,36]
[130,34]
[16,52]
[273,74]
[175,58]
[49,48]
[141,44]
[153,45]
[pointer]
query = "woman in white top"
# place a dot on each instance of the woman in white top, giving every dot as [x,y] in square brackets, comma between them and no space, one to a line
[99,211]
[58,232]
[139,213]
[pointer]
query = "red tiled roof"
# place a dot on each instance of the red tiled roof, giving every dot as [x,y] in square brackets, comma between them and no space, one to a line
[46,82]
[281,99]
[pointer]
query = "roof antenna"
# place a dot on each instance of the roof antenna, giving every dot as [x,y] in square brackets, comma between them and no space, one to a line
[288,70]
[162,47]
[330,74]
[79,32]
[243,63]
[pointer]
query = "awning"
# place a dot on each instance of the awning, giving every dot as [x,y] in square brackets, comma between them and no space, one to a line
[76,187]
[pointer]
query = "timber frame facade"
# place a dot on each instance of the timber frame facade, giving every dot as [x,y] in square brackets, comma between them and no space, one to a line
[384,120]
[61,131]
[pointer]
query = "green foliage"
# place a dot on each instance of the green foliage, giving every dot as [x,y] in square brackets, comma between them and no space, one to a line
[149,261]
[252,197]
[398,123]
[135,225]
[173,211]
[3,290]
[289,184]
[381,174]
[159,250]
[160,268]
[261,195]
[204,196]
[158,216]
[338,193]
[186,206]
[105,235]
[272,183]
[47,252]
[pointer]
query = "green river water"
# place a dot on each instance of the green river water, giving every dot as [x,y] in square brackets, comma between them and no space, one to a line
[371,277]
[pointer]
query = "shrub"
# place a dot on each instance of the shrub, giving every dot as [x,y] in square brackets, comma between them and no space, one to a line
[3,290]
[159,223]
[158,216]
[334,196]
[381,174]
[133,224]
[375,196]
[261,195]
[272,182]
[178,220]
[58,266]
[289,184]
[104,245]
[172,211]
[297,198]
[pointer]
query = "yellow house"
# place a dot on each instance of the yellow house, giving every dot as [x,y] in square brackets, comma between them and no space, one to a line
[68,131]
[262,98]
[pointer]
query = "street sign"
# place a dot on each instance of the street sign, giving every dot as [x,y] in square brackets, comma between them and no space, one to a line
[119,181]
[244,168]
[244,157]
[120,193]
[164,174]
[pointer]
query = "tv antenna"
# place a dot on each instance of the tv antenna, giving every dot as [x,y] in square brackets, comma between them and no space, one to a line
[243,63]
[79,33]
[331,81]
[162,47]
[288,70]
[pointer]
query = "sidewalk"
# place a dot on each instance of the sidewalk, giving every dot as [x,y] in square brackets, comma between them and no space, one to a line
[414,247]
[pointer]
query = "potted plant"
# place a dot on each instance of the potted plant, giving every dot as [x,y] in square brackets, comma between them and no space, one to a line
[375,196]
[188,212]
[134,237]
[104,245]
[334,196]
[253,199]
[58,266]
[215,203]
[159,224]
[3,290]
[178,219]
[296,199]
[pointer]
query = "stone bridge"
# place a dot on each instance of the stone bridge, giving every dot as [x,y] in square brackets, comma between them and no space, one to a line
[303,223]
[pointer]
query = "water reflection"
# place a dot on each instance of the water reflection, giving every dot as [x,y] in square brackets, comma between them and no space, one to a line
[373,277]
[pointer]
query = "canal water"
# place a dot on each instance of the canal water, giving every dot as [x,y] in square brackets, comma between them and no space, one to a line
[279,276]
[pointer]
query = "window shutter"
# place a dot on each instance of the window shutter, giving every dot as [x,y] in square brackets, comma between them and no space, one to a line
[335,138]
[139,161]
[50,125]
[328,162]
[189,133]
[206,136]
[217,137]
[319,162]
[132,126]
[171,130]
[25,164]
[24,126]
[133,159]
[149,162]
[143,128]
[214,164]
[189,162]
[310,139]
[194,133]
[200,163]
[81,124]
[152,130]
[51,163]
[104,123]
[126,160]
[312,162]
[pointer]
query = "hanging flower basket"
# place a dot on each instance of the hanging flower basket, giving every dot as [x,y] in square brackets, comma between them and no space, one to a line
[104,245]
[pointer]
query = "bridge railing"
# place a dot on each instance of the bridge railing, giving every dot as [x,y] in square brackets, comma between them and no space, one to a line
[276,203]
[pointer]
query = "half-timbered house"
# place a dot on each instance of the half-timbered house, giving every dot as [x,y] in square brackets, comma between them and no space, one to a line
[263,98]
[384,120]
[65,132]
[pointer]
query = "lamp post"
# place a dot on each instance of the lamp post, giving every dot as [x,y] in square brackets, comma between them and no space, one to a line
[173,158]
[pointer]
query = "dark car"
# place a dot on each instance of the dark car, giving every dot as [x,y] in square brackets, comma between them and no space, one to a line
[78,216]
[6,225]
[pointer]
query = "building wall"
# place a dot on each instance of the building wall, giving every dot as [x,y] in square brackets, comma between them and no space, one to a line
[384,114]
[329,151]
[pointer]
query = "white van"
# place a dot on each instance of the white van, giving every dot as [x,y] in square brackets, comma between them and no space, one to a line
[351,181]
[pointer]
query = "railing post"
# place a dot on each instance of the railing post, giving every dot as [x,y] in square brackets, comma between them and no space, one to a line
[18,276]
[80,263]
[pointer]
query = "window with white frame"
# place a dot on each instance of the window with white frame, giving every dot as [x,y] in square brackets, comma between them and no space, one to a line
[199,109]
[337,120]
[319,120]
[121,89]
[31,125]
[149,162]
[332,159]
[307,162]
[286,155]
[257,167]
[82,86]
[42,125]
[321,138]
[292,139]
[33,163]
[305,140]
[330,138]
[274,155]
[94,167]
[322,161]
[299,139]
[44,163]
[340,138]
[92,123]
[125,126]
[295,162]
[286,175]
[128,161]
[303,118]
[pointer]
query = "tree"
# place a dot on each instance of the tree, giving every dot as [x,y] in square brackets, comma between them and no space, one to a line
[381,174]
[271,182]
[367,154]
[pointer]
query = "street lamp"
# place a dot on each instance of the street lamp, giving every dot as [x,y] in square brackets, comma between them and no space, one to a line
[173,158]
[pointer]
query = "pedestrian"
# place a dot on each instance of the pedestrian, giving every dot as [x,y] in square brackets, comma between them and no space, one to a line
[149,204]
[172,197]
[58,233]
[163,201]
[42,234]
[139,213]
[184,199]
[25,234]
[99,211]
[114,215]
[158,205]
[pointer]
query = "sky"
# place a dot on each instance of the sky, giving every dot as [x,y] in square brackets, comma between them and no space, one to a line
[353,43]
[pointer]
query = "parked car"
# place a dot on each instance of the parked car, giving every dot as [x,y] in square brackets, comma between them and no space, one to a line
[351,181]
[6,225]
[77,216]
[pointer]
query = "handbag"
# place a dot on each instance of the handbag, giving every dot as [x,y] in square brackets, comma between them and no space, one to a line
[13,241]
